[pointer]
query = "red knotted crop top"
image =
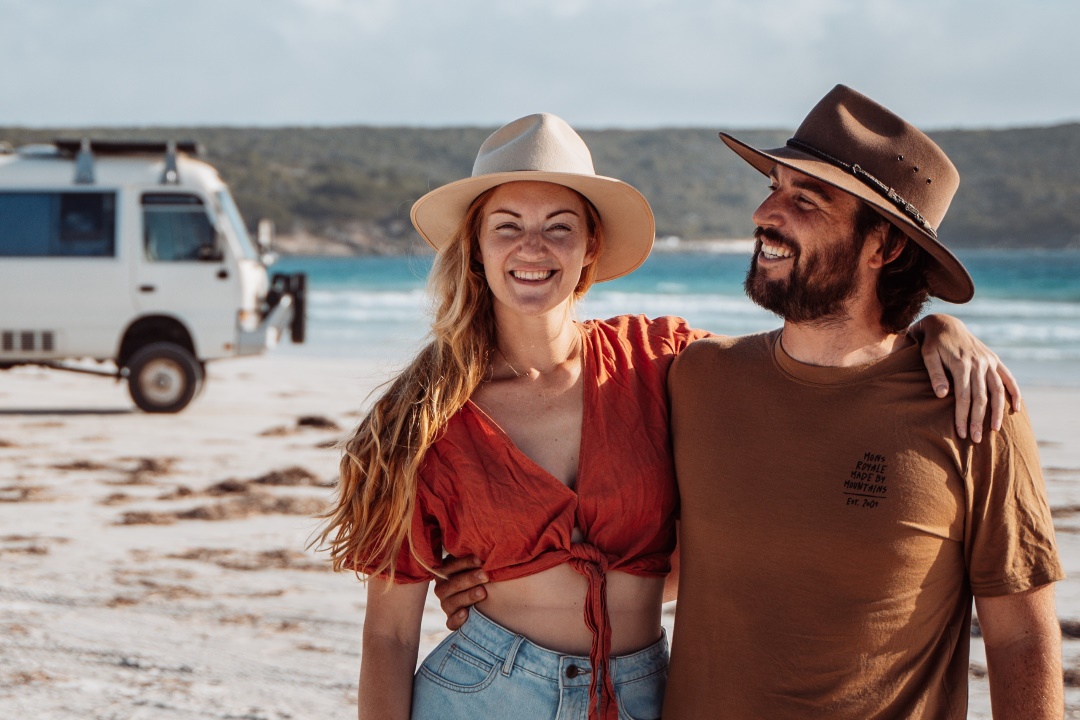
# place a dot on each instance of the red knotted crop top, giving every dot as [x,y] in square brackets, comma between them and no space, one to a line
[478,494]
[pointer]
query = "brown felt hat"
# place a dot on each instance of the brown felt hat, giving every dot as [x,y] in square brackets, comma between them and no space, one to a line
[856,145]
[545,148]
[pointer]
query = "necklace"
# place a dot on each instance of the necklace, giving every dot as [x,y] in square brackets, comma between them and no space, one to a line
[512,368]
[517,373]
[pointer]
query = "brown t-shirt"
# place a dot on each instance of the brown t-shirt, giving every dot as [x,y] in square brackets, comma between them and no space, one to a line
[834,529]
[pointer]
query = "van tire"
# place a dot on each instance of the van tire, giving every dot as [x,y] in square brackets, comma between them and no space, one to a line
[163,377]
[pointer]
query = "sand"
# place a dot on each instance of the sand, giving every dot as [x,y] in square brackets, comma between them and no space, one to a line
[154,566]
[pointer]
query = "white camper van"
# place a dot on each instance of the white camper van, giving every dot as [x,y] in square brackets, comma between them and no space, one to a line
[132,254]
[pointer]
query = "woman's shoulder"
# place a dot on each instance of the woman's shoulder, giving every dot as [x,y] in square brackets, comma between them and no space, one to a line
[665,327]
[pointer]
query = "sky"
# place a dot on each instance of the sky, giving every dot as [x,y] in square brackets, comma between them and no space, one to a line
[598,63]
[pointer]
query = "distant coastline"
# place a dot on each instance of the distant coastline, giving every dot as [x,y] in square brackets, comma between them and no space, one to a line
[306,244]
[736,246]
[348,190]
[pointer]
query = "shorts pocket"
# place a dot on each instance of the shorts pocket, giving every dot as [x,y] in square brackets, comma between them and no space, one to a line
[460,665]
[642,699]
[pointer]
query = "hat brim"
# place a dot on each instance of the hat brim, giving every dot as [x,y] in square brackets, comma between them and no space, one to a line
[629,226]
[948,278]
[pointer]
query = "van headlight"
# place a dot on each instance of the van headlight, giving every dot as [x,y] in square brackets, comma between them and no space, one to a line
[248,320]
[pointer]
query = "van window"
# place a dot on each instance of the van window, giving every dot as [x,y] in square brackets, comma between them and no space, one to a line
[57,224]
[177,228]
[232,213]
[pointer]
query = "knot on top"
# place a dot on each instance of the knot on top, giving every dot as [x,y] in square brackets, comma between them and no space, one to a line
[588,553]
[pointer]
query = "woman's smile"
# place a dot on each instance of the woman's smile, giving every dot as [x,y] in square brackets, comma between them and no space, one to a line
[532,275]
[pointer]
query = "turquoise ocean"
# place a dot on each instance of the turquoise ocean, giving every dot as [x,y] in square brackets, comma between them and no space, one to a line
[1026,307]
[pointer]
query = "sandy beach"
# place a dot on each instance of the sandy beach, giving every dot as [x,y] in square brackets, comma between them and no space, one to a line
[155,566]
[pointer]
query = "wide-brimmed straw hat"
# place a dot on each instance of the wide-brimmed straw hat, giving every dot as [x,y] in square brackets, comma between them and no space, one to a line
[856,145]
[545,148]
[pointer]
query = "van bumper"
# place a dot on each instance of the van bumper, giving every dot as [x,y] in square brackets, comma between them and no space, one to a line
[270,330]
[286,307]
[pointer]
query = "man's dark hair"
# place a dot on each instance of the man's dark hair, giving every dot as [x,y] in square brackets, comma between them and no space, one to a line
[902,287]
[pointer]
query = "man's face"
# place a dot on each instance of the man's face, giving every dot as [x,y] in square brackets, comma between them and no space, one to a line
[807,259]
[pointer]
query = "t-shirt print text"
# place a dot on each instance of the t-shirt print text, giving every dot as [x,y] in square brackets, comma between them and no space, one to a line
[867,485]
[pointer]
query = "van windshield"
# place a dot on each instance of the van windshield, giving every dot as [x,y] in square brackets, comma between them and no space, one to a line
[247,249]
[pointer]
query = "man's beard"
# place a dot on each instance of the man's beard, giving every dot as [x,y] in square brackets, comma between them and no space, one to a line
[818,285]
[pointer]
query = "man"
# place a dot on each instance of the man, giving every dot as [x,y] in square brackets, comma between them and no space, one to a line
[830,551]
[834,525]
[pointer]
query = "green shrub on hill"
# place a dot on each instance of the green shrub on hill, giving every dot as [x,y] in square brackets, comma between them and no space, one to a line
[1019,187]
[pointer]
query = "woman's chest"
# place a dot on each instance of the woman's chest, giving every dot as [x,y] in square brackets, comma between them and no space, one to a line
[541,425]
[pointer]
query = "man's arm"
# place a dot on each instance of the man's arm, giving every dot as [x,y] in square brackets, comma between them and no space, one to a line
[671,582]
[1023,654]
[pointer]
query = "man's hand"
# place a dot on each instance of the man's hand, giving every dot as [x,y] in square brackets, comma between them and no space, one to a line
[462,588]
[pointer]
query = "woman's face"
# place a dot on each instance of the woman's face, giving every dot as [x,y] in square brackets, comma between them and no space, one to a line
[533,244]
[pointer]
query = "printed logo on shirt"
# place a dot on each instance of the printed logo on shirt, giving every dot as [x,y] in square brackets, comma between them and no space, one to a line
[868,484]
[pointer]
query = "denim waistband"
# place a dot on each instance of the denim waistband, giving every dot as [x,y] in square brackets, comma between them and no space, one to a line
[570,670]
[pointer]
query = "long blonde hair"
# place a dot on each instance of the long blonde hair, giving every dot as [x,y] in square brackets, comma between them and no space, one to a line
[372,517]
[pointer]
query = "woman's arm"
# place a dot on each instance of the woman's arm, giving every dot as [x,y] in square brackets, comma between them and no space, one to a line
[391,643]
[979,376]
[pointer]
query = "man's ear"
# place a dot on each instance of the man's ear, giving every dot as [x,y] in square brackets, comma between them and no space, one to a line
[886,245]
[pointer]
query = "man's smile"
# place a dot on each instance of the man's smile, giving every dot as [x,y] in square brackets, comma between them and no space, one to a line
[775,252]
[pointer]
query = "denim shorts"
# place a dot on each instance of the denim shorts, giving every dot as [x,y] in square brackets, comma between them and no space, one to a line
[484,670]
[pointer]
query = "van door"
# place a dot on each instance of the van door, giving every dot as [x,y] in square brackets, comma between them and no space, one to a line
[186,270]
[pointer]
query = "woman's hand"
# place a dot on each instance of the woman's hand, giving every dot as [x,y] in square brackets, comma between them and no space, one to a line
[980,378]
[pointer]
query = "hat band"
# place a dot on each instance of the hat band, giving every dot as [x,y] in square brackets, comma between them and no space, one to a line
[871,182]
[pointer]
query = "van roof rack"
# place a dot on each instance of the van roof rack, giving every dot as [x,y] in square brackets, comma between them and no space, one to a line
[84,150]
[128,147]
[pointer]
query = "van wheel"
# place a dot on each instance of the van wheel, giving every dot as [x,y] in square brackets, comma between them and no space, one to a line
[163,377]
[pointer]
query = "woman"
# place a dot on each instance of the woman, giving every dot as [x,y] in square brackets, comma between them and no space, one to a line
[525,438]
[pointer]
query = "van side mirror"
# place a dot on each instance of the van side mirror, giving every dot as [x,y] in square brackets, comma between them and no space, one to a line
[265,239]
[265,236]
